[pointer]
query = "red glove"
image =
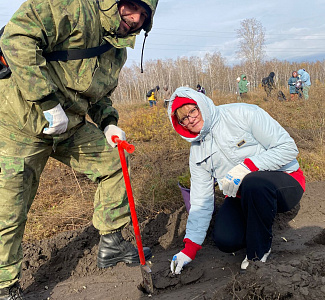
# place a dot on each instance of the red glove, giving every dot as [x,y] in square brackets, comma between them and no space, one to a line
[191,248]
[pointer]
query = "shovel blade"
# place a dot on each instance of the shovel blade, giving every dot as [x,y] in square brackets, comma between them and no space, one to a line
[146,285]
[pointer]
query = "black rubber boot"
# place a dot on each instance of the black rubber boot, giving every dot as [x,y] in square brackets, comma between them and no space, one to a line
[13,292]
[113,249]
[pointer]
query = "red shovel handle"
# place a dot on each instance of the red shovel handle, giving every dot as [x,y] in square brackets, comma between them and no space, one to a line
[120,147]
[124,144]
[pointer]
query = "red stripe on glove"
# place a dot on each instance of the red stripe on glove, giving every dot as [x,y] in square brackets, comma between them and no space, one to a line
[191,248]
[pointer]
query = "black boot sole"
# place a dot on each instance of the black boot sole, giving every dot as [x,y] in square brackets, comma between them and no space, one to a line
[106,263]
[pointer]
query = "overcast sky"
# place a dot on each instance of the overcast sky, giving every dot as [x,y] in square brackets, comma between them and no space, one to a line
[294,30]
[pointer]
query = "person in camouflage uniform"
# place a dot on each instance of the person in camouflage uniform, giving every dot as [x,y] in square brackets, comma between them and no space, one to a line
[43,114]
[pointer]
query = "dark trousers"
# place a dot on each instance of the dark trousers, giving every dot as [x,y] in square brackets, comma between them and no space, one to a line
[268,91]
[246,222]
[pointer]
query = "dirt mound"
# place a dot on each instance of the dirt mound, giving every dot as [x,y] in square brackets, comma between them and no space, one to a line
[64,267]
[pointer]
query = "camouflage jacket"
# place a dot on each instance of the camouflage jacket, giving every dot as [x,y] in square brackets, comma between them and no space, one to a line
[80,86]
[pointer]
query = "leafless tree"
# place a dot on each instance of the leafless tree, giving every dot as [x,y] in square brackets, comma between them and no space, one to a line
[251,36]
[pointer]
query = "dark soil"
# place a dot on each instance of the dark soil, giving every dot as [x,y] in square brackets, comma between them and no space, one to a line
[64,267]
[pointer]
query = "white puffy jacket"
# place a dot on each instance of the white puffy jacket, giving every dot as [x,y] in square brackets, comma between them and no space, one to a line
[230,134]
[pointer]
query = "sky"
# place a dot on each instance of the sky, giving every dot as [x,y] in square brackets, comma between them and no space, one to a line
[294,30]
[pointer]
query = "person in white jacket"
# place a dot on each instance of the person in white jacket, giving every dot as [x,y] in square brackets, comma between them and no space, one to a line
[252,158]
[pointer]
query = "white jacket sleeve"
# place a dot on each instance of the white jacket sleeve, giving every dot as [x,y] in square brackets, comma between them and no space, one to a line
[280,148]
[202,204]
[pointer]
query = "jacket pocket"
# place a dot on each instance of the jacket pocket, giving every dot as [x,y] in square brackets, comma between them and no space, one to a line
[77,75]
[243,146]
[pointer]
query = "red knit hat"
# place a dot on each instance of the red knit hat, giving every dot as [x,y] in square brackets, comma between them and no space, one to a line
[177,103]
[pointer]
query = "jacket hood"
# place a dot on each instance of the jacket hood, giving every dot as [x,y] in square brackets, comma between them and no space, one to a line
[111,19]
[301,71]
[152,5]
[243,76]
[207,108]
[272,74]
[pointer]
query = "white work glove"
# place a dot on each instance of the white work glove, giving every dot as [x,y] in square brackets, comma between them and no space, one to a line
[58,120]
[178,262]
[111,130]
[233,179]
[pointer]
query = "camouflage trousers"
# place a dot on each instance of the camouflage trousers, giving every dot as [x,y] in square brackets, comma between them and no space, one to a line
[22,160]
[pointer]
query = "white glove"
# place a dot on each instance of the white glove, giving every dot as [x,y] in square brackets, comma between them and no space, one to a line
[178,262]
[111,130]
[231,182]
[58,120]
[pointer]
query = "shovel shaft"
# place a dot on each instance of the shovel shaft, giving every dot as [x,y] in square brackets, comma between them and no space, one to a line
[131,203]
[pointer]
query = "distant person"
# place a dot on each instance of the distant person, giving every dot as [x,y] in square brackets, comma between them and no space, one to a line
[167,92]
[268,84]
[152,96]
[200,89]
[293,88]
[253,159]
[281,96]
[243,86]
[306,83]
[237,89]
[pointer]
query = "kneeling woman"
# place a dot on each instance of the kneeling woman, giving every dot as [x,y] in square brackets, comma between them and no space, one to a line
[254,162]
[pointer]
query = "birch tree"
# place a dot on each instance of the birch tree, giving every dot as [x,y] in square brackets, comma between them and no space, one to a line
[251,36]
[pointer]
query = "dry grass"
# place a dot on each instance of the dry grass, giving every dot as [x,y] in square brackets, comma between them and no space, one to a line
[63,202]
[64,199]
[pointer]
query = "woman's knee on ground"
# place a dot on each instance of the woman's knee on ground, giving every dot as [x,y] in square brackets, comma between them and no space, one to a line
[227,242]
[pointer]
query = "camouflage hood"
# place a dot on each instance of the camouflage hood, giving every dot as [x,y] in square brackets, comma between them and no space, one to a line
[111,19]
[152,5]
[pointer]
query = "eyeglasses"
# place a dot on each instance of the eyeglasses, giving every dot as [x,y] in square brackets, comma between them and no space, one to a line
[193,113]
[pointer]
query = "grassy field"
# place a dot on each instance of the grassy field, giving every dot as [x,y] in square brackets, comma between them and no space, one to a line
[65,199]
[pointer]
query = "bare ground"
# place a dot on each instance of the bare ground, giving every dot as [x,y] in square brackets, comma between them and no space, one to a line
[64,267]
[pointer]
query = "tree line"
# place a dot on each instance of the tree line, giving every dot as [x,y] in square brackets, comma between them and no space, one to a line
[210,71]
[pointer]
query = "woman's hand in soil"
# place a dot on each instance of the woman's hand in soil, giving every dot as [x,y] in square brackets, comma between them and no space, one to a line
[178,262]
